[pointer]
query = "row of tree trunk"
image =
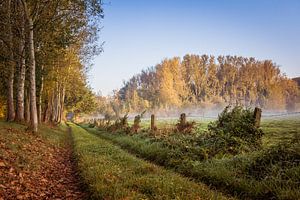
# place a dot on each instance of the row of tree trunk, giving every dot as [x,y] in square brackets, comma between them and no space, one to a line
[22,58]
[54,110]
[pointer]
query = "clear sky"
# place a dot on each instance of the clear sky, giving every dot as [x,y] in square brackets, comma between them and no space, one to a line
[140,33]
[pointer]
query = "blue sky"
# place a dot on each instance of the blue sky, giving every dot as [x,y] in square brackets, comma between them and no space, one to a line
[140,33]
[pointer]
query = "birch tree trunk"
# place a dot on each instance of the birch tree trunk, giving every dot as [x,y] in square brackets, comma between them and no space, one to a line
[32,87]
[27,107]
[40,98]
[10,82]
[22,74]
[33,109]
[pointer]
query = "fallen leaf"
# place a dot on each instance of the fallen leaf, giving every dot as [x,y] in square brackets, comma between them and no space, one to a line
[2,164]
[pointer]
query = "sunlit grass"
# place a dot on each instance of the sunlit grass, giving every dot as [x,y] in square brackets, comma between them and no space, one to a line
[111,173]
[279,130]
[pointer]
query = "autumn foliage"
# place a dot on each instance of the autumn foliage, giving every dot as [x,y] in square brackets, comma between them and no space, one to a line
[207,81]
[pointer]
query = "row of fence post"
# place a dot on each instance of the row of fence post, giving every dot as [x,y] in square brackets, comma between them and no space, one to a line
[257,118]
[256,115]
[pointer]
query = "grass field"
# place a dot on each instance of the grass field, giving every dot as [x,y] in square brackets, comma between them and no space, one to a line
[280,130]
[112,173]
[272,172]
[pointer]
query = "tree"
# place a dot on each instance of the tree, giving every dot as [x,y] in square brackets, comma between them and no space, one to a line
[10,61]
[51,38]
[204,81]
[171,82]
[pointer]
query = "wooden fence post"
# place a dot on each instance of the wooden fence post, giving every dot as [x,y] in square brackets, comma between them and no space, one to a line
[257,117]
[136,123]
[152,122]
[183,118]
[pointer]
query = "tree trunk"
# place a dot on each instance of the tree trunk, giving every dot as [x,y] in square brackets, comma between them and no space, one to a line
[52,107]
[10,82]
[47,111]
[40,98]
[32,88]
[62,100]
[58,106]
[22,74]
[54,104]
[27,107]
[33,110]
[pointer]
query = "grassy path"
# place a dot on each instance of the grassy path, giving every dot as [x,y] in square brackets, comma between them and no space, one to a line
[112,173]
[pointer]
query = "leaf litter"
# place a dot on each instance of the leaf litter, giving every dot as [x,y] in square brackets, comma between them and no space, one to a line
[31,167]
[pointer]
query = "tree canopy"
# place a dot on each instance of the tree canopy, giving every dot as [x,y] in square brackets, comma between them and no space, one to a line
[209,82]
[45,51]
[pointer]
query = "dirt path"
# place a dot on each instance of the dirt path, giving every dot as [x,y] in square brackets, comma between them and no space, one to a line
[37,170]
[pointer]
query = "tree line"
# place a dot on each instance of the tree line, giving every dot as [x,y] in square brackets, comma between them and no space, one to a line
[45,49]
[208,82]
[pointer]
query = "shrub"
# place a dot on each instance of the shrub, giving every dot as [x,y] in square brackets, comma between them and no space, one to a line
[183,126]
[136,123]
[187,127]
[120,124]
[237,122]
[234,132]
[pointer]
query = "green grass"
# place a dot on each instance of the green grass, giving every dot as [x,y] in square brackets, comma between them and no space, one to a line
[279,130]
[274,177]
[112,173]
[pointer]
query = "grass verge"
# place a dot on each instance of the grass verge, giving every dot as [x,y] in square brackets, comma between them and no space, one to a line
[112,173]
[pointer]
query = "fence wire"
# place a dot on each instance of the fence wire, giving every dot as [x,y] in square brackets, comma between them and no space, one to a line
[281,114]
[263,115]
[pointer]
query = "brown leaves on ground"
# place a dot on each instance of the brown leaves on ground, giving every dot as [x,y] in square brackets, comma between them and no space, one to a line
[33,168]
